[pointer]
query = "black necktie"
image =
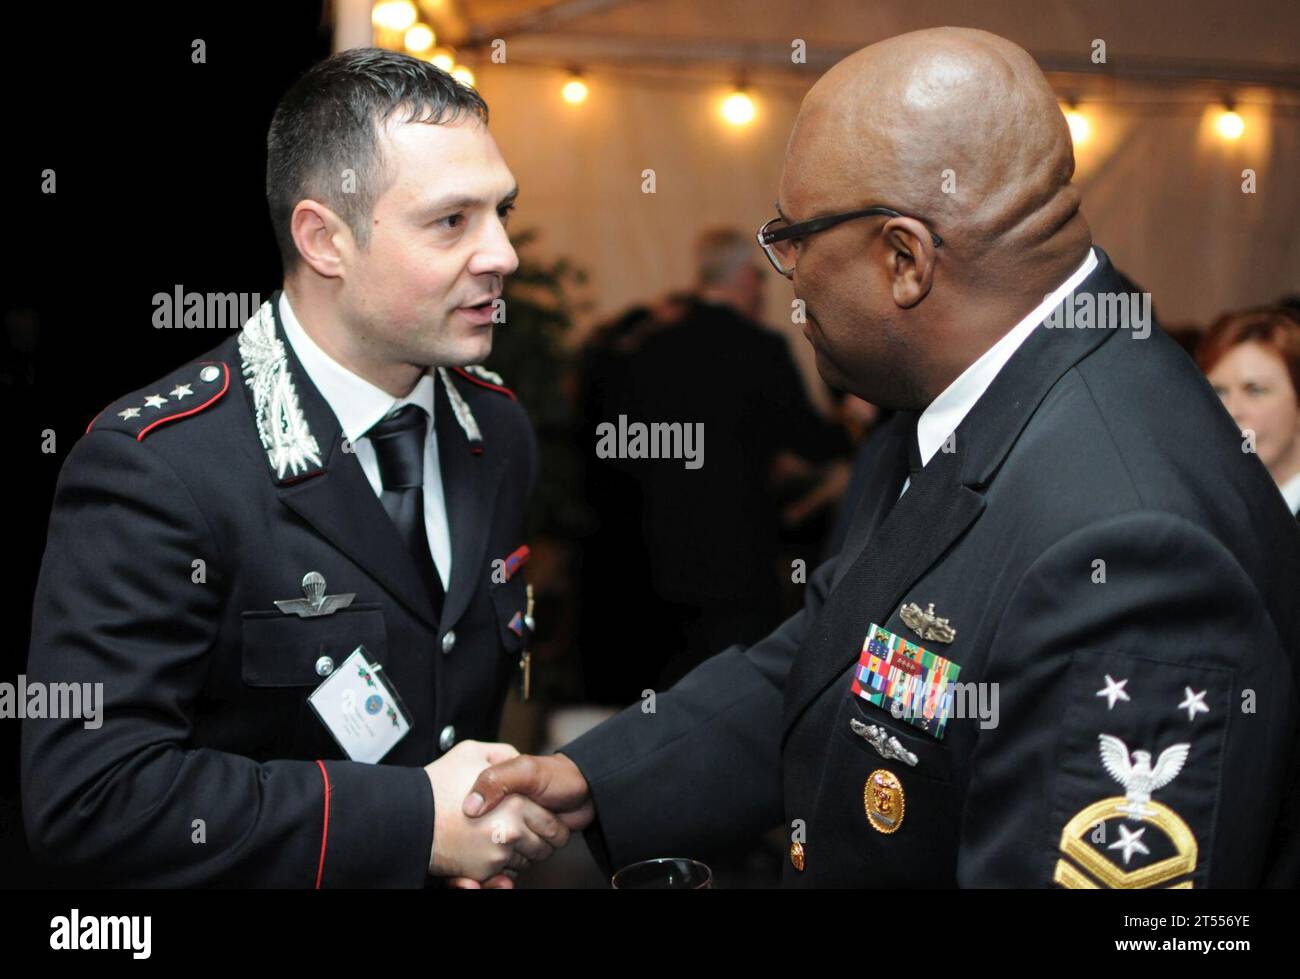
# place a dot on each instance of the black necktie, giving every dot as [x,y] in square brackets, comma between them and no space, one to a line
[901,458]
[914,464]
[399,449]
[911,453]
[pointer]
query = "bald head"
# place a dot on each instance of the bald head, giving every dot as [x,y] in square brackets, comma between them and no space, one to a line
[959,132]
[890,122]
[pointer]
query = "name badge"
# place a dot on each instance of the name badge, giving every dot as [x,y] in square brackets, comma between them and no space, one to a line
[361,709]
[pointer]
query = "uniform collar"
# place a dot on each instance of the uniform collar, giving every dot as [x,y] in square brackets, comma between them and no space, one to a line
[356,403]
[946,412]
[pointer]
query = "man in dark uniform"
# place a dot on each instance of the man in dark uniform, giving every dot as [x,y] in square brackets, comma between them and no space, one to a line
[710,531]
[1058,646]
[329,500]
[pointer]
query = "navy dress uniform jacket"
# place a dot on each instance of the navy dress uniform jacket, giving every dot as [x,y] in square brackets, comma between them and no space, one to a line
[1090,445]
[175,528]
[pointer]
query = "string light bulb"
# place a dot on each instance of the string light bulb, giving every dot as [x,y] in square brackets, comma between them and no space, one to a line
[1229,124]
[1080,127]
[463,75]
[575,90]
[393,15]
[419,38]
[443,58]
[738,108]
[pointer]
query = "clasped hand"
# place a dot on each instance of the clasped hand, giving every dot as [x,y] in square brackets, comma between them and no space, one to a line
[496,812]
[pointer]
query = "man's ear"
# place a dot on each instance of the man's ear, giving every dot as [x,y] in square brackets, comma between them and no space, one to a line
[910,253]
[322,238]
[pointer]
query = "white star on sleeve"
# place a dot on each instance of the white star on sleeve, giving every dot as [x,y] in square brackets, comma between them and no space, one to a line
[1129,842]
[1194,703]
[1113,691]
[155,401]
[129,413]
[180,391]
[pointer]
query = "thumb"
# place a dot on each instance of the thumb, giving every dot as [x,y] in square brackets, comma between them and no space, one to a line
[519,774]
[497,752]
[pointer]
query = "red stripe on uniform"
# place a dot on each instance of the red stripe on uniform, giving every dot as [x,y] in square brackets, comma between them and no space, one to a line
[325,832]
[95,419]
[485,384]
[195,410]
[170,417]
[516,560]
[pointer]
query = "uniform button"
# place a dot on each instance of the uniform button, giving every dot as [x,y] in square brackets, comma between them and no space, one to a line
[796,855]
[449,641]
[324,666]
[209,374]
[447,738]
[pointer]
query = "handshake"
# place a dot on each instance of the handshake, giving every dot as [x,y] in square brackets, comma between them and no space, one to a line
[495,812]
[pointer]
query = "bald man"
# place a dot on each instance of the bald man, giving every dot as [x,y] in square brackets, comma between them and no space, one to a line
[1058,647]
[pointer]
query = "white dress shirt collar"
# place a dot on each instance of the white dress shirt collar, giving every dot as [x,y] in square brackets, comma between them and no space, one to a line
[946,412]
[357,403]
[1291,492]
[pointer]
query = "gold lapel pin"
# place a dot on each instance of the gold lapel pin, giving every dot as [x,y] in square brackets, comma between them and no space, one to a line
[884,800]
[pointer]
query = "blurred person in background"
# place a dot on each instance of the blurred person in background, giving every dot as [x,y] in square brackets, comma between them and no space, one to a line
[710,537]
[1252,358]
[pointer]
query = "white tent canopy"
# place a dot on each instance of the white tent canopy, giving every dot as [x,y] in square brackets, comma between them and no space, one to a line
[1151,35]
[1162,192]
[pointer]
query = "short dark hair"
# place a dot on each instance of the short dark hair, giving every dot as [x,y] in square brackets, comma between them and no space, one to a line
[328,122]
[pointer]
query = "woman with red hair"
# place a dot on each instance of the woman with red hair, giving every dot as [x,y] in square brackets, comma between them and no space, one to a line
[1252,358]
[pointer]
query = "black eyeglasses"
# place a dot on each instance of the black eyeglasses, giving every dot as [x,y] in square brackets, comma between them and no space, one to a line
[777,238]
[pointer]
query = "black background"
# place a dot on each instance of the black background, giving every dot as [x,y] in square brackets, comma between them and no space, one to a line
[159,166]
